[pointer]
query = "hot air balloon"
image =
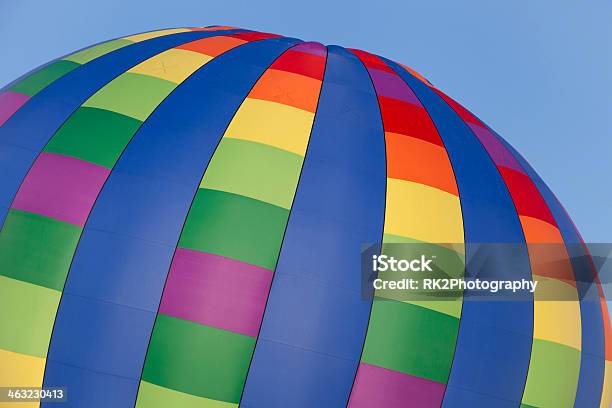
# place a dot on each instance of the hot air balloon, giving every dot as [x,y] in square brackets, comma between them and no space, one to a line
[182,215]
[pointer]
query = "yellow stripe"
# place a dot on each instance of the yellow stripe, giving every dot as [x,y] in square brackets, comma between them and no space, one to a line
[422,212]
[451,307]
[20,369]
[271,123]
[556,320]
[154,34]
[606,396]
[173,65]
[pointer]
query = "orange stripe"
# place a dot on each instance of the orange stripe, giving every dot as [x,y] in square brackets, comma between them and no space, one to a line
[424,163]
[540,231]
[212,46]
[547,253]
[607,328]
[551,261]
[287,88]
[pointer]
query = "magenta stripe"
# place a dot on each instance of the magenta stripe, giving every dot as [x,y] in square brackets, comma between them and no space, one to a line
[311,48]
[392,86]
[216,291]
[9,103]
[498,152]
[380,387]
[61,187]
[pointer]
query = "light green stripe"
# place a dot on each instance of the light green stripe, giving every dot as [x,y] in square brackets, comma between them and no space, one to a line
[134,95]
[27,313]
[154,396]
[88,54]
[254,170]
[552,379]
[447,264]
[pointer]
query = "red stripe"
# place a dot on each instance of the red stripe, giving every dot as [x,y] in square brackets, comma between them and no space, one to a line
[408,119]
[371,61]
[526,196]
[301,63]
[254,36]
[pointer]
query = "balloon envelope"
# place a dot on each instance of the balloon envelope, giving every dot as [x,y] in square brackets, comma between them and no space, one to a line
[182,217]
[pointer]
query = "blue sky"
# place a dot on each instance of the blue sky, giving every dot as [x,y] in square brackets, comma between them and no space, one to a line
[538,72]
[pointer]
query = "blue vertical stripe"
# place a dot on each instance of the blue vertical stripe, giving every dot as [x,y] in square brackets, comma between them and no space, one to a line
[113,290]
[22,139]
[494,342]
[315,321]
[592,357]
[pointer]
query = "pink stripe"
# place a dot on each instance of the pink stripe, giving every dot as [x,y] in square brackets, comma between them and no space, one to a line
[9,103]
[380,387]
[61,187]
[216,291]
[392,86]
[311,48]
[498,152]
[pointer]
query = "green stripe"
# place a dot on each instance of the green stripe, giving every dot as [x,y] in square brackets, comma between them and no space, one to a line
[37,249]
[35,82]
[88,54]
[154,396]
[552,379]
[254,170]
[95,135]
[411,340]
[198,359]
[27,313]
[134,95]
[235,227]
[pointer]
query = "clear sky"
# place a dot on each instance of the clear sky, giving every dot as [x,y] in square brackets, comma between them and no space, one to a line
[538,72]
